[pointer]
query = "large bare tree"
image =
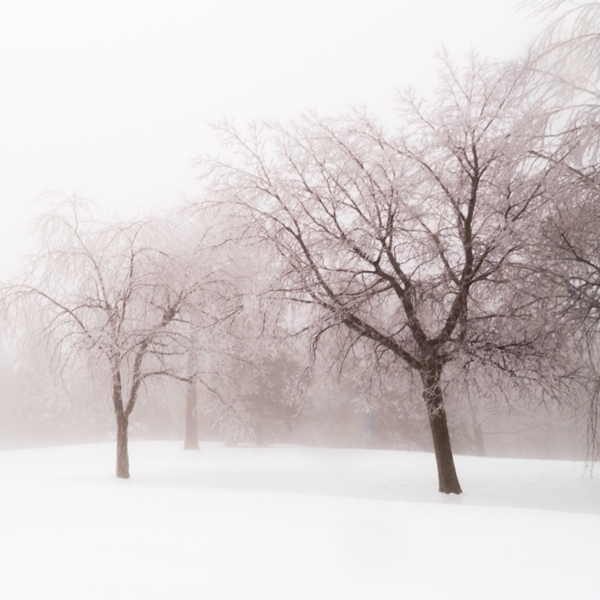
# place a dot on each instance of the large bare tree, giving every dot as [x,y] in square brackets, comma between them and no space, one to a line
[411,242]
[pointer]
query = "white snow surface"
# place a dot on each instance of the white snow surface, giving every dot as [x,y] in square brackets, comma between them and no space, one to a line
[288,523]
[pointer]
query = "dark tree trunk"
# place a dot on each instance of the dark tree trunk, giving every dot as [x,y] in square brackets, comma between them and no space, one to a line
[122,417]
[122,449]
[434,400]
[191,419]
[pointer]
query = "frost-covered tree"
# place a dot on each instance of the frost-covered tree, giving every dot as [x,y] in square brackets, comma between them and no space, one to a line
[224,327]
[411,243]
[566,51]
[569,258]
[106,291]
[566,72]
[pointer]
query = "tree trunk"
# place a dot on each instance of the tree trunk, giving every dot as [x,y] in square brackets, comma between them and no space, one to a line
[122,424]
[434,400]
[122,450]
[191,419]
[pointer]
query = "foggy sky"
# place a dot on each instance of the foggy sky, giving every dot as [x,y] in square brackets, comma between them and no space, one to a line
[112,100]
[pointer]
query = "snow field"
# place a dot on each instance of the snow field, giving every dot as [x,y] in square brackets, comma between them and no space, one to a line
[292,523]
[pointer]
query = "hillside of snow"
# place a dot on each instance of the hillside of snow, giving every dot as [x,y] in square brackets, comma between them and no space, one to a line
[288,523]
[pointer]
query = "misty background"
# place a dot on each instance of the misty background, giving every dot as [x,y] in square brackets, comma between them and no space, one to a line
[114,102]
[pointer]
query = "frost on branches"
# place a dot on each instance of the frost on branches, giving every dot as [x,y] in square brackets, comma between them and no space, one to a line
[413,242]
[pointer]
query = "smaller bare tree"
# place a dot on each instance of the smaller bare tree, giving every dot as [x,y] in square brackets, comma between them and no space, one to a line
[107,291]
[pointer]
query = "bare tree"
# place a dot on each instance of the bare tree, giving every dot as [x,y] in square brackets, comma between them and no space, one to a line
[569,256]
[566,52]
[223,330]
[106,291]
[412,243]
[567,71]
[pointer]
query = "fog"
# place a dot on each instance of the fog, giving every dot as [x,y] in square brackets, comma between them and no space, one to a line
[39,408]
[114,103]
[288,262]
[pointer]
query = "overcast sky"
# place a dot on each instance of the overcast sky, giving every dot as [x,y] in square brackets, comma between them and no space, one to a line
[112,100]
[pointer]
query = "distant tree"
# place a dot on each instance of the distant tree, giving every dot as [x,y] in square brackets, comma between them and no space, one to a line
[567,74]
[566,52]
[411,243]
[271,406]
[569,256]
[214,362]
[223,327]
[105,291]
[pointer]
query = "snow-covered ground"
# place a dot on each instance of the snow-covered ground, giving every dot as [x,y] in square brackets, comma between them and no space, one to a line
[289,523]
